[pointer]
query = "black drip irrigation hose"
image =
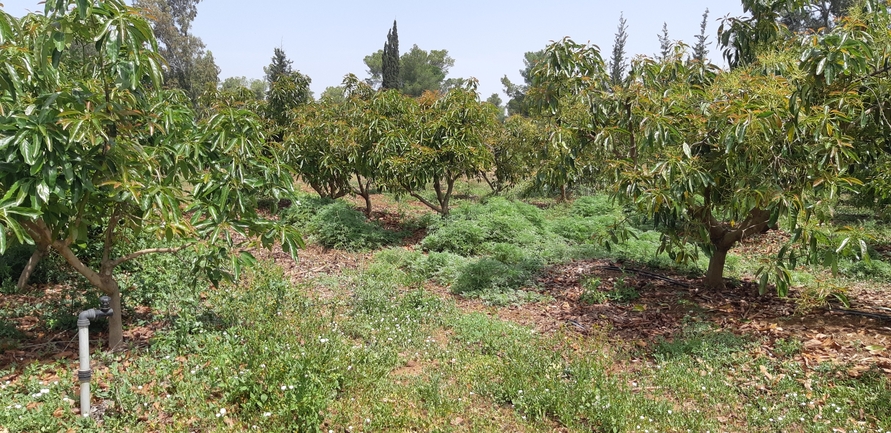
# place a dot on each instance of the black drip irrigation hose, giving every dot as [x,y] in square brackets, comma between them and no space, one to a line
[647,273]
[654,275]
[842,310]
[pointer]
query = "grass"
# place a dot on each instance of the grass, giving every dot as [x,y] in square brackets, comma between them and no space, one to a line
[386,353]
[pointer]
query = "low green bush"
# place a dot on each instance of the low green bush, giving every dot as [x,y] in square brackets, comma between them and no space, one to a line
[442,268]
[591,293]
[488,274]
[497,221]
[595,206]
[303,208]
[866,269]
[339,226]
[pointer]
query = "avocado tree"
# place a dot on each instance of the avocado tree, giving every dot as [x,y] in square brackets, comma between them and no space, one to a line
[334,143]
[514,146]
[845,80]
[447,141]
[88,140]
[316,143]
[567,80]
[715,156]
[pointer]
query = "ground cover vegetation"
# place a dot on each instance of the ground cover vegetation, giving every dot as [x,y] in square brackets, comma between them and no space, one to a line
[657,244]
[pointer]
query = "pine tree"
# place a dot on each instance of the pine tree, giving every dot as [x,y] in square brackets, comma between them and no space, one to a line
[618,64]
[391,60]
[700,50]
[664,42]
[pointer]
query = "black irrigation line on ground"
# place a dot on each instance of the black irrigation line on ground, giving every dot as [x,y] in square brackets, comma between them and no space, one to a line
[848,311]
[842,310]
[647,273]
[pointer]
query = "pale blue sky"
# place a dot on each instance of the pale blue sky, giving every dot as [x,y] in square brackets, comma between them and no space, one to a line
[328,39]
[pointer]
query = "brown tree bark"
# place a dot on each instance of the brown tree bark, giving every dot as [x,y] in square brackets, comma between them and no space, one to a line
[38,255]
[714,277]
[364,191]
[116,320]
[724,236]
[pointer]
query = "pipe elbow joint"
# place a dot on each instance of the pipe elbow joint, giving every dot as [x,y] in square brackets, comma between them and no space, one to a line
[84,318]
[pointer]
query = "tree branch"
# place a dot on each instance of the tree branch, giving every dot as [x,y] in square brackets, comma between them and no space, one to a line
[93,276]
[140,253]
[109,233]
[425,201]
[38,231]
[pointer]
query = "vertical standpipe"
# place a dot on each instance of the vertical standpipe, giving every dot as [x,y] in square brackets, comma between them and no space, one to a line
[84,372]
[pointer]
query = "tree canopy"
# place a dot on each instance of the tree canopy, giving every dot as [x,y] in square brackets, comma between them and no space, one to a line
[419,70]
[712,156]
[187,65]
[93,146]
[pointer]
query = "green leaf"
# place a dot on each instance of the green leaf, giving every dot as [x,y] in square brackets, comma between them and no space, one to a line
[24,211]
[5,141]
[56,58]
[843,244]
[43,191]
[762,283]
[236,266]
[864,251]
[687,150]
[29,149]
[83,8]
[2,239]
[247,258]
[843,298]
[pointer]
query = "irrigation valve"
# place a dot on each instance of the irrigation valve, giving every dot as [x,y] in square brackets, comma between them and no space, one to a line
[83,333]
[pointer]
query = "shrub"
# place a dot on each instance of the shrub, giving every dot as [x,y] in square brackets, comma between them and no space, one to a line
[589,218]
[488,274]
[591,293]
[576,230]
[462,237]
[339,226]
[443,268]
[867,269]
[303,208]
[497,221]
[594,206]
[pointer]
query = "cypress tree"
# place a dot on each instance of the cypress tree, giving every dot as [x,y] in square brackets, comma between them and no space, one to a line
[279,67]
[700,50]
[390,66]
[617,62]
[664,42]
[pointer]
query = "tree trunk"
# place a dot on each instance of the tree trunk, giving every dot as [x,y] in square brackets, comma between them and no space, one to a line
[111,289]
[367,197]
[714,277]
[491,184]
[364,191]
[105,282]
[38,254]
